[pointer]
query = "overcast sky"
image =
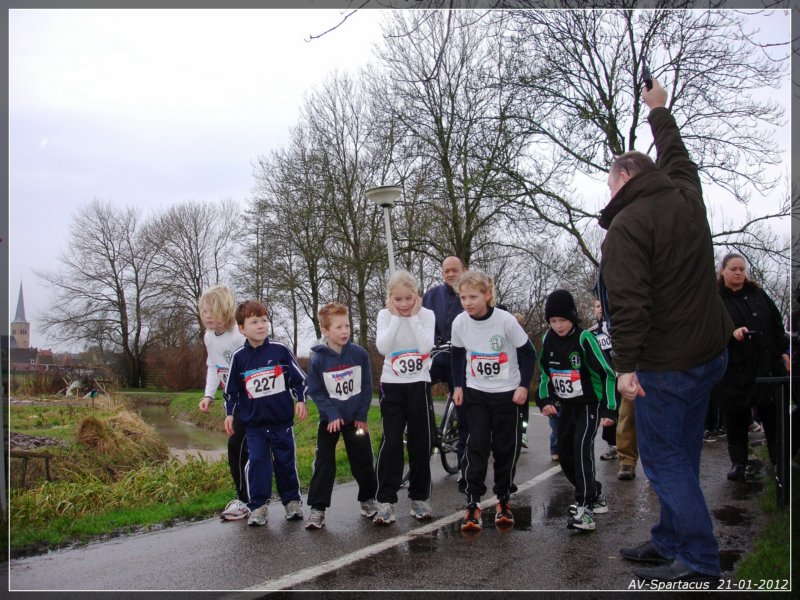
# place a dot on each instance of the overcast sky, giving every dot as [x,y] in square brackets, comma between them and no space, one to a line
[152,107]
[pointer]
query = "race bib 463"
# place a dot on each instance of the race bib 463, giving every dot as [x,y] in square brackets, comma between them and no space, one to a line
[567,384]
[264,382]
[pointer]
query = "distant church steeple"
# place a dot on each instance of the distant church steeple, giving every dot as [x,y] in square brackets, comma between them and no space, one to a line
[20,328]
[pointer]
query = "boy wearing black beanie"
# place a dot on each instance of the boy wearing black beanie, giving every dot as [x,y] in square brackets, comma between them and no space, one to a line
[577,377]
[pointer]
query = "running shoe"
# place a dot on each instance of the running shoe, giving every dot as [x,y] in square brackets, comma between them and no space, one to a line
[472,518]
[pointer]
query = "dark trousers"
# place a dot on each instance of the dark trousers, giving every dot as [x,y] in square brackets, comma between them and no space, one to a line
[495,425]
[359,453]
[271,449]
[238,457]
[609,434]
[577,427]
[405,407]
[738,424]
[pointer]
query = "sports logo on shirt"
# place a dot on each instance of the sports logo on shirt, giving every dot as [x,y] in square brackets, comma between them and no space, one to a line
[575,359]
[497,342]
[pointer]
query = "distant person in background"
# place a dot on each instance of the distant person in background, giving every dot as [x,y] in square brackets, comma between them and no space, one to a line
[443,301]
[604,341]
[222,338]
[759,348]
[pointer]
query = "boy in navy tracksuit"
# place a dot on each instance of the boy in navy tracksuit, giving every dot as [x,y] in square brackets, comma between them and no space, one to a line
[340,383]
[576,375]
[264,382]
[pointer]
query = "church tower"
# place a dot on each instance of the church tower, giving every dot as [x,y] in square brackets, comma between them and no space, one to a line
[20,328]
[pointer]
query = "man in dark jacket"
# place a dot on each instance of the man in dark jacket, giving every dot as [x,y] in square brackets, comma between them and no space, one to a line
[446,306]
[670,331]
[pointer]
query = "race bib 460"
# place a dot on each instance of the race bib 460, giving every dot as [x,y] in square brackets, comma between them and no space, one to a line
[343,384]
[489,365]
[264,382]
[409,363]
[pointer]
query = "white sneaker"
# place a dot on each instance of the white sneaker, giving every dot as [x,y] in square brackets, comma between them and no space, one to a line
[259,516]
[421,510]
[235,511]
[316,519]
[293,510]
[369,508]
[385,514]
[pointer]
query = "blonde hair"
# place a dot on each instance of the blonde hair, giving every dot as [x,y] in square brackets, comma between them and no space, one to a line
[478,280]
[399,278]
[331,310]
[219,300]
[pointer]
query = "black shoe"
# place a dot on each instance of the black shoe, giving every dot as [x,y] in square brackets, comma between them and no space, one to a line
[737,472]
[673,571]
[644,553]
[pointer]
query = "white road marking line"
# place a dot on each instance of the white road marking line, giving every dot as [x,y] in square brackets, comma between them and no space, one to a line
[293,579]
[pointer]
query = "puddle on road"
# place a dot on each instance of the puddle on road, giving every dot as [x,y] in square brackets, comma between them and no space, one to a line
[441,539]
[732,515]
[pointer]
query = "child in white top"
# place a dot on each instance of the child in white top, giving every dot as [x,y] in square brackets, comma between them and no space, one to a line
[493,362]
[405,337]
[222,338]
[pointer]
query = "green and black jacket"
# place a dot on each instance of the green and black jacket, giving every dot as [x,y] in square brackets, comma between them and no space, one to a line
[573,369]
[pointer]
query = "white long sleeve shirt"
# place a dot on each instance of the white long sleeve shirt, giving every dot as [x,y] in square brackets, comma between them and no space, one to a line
[406,343]
[220,348]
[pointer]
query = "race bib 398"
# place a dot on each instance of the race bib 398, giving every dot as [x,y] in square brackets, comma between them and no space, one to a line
[409,363]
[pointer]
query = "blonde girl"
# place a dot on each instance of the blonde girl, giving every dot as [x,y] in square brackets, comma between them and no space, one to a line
[405,338]
[493,361]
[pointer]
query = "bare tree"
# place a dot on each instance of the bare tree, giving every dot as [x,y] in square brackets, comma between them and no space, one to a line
[581,74]
[194,244]
[103,292]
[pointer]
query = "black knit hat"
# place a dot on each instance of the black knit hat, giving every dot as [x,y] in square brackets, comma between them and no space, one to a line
[561,304]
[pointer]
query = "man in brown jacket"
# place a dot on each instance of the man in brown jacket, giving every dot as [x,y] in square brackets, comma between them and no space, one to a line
[669,330]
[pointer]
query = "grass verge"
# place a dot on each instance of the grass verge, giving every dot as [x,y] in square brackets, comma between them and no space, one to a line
[769,560]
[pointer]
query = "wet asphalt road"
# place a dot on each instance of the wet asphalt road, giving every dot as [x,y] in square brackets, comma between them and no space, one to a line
[351,553]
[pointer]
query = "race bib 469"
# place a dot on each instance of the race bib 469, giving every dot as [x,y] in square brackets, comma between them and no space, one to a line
[488,365]
[264,382]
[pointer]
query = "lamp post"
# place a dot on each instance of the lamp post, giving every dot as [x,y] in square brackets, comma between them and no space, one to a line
[384,196]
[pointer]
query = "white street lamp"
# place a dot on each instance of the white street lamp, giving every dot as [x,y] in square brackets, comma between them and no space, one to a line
[384,196]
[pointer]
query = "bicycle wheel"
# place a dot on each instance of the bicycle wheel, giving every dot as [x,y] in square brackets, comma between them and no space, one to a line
[447,450]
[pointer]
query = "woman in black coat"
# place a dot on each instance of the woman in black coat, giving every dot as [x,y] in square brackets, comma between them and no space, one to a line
[757,349]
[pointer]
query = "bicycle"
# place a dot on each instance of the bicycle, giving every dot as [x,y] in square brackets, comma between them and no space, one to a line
[445,434]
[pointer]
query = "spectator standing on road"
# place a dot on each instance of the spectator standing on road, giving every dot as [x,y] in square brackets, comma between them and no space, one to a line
[446,306]
[670,331]
[405,338]
[340,383]
[222,338]
[263,385]
[493,362]
[598,330]
[576,376]
[758,348]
